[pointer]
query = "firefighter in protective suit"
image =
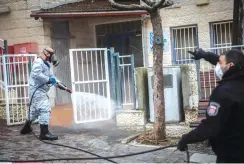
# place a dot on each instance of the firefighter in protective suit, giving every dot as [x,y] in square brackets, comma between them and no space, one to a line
[224,123]
[40,107]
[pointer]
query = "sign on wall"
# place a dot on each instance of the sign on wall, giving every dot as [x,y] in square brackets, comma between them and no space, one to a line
[165,41]
[150,47]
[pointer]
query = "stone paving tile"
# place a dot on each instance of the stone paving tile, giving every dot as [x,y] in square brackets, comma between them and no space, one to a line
[101,142]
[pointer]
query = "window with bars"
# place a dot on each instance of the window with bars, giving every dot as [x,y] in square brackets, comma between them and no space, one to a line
[183,39]
[221,36]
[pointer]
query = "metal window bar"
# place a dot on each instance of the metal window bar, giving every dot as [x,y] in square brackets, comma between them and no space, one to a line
[184,39]
[221,35]
[208,79]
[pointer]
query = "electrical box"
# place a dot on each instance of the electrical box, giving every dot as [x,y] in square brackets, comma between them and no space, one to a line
[10,49]
[21,61]
[1,51]
[25,48]
[9,59]
[172,93]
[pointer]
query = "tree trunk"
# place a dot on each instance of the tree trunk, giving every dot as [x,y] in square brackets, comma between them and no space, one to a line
[159,108]
[242,22]
[235,29]
[237,23]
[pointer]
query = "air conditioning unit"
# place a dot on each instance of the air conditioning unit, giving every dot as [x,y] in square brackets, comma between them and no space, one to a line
[172,93]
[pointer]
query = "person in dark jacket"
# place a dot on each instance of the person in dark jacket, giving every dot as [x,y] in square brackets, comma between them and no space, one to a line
[224,123]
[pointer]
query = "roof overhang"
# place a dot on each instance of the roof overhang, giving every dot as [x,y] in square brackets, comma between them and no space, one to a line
[86,14]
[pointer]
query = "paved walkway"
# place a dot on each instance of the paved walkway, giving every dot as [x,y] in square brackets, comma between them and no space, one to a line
[102,140]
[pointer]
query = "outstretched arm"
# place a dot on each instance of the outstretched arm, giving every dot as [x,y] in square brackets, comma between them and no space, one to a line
[208,56]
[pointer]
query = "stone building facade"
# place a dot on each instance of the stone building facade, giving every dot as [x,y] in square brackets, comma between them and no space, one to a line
[184,14]
[186,26]
[18,27]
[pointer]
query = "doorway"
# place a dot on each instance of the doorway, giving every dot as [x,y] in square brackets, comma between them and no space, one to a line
[61,43]
[125,37]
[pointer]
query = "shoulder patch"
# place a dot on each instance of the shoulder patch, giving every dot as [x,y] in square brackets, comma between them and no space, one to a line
[213,109]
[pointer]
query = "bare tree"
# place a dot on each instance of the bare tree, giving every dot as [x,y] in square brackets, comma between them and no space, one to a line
[153,7]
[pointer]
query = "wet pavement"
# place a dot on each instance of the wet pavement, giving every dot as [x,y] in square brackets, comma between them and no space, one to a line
[102,140]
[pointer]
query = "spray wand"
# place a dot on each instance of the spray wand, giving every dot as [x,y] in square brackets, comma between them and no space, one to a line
[62,86]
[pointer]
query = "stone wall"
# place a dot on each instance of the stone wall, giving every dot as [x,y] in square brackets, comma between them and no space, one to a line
[187,13]
[18,27]
[16,112]
[190,92]
[142,98]
[53,3]
[130,119]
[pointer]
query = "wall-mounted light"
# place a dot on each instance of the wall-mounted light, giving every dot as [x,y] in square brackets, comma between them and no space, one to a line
[4,9]
[201,2]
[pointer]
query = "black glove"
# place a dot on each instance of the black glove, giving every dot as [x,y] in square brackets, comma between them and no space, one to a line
[208,56]
[198,54]
[182,145]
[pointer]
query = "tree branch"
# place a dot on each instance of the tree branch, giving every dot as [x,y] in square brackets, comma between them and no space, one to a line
[144,3]
[149,2]
[129,7]
[162,4]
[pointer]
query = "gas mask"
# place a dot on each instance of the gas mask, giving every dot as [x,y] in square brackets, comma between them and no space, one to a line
[51,58]
[218,71]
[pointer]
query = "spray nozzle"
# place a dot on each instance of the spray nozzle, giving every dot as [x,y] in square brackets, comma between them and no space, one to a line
[62,86]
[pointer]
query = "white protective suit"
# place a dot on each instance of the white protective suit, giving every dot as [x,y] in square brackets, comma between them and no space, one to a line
[40,74]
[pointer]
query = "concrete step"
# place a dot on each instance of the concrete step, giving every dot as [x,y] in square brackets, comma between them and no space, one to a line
[196,123]
[202,107]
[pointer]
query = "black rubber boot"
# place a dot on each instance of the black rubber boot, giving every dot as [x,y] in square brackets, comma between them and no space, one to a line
[27,128]
[45,134]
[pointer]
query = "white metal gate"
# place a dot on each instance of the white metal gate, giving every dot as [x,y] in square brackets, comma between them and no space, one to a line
[90,85]
[15,70]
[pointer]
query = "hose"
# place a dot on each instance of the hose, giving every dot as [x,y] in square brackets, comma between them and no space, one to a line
[61,144]
[89,158]
[95,158]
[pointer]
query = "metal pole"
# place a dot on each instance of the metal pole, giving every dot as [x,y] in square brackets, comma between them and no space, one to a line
[5,47]
[7,69]
[133,80]
[29,64]
[112,73]
[6,90]
[120,99]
